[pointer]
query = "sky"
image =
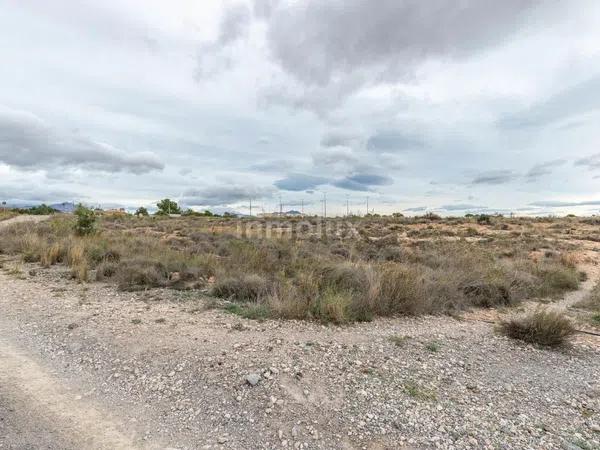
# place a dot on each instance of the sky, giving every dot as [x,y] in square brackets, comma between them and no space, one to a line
[450,106]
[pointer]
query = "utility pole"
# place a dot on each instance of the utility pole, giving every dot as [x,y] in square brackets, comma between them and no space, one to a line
[347,206]
[325,204]
[367,205]
[250,206]
[302,201]
[280,207]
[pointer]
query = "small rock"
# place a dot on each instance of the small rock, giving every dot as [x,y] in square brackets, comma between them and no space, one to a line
[252,379]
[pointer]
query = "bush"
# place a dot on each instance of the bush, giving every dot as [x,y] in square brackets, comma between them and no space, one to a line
[403,292]
[557,278]
[41,210]
[86,220]
[484,219]
[141,273]
[543,327]
[141,212]
[241,288]
[486,294]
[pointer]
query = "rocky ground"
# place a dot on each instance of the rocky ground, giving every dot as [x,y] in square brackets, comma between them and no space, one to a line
[87,366]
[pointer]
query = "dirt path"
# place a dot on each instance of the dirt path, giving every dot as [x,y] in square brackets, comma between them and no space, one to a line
[39,410]
[22,218]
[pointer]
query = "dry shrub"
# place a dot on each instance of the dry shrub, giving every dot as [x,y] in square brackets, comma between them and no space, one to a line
[402,291]
[346,276]
[106,270]
[77,260]
[487,294]
[53,254]
[31,246]
[543,327]
[286,301]
[140,273]
[241,288]
[334,306]
[556,278]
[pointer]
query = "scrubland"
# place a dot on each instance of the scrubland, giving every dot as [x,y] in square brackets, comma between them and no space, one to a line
[336,271]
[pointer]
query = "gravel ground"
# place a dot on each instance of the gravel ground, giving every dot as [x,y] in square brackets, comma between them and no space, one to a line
[167,371]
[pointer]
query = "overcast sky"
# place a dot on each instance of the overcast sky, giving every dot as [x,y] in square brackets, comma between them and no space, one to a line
[446,105]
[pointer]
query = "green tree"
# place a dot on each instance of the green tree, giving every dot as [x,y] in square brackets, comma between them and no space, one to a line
[42,210]
[141,211]
[86,220]
[167,206]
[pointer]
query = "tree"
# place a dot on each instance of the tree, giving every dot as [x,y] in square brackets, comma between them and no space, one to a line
[167,206]
[141,211]
[86,220]
[42,210]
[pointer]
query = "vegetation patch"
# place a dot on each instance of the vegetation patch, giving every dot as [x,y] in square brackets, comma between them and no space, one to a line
[542,327]
[363,270]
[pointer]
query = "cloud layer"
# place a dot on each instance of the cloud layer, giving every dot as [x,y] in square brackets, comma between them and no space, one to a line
[418,105]
[27,142]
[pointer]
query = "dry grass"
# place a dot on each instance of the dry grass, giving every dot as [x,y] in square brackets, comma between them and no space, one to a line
[542,327]
[7,214]
[355,274]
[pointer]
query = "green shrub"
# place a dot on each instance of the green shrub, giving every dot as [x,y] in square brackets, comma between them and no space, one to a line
[141,212]
[86,221]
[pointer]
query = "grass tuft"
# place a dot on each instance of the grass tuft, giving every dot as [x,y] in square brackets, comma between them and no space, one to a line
[543,327]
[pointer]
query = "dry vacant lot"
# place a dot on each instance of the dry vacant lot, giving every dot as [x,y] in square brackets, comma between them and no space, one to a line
[375,333]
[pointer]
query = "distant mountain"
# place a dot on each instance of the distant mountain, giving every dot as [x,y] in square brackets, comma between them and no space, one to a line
[64,207]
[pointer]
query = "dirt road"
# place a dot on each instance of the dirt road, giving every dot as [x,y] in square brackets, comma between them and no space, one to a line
[86,366]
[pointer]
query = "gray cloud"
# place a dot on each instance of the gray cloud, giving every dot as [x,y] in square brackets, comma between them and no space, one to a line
[559,204]
[494,177]
[416,209]
[388,39]
[339,139]
[234,25]
[542,169]
[16,195]
[300,182]
[219,195]
[394,140]
[362,182]
[462,207]
[578,99]
[264,8]
[333,156]
[27,142]
[592,162]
